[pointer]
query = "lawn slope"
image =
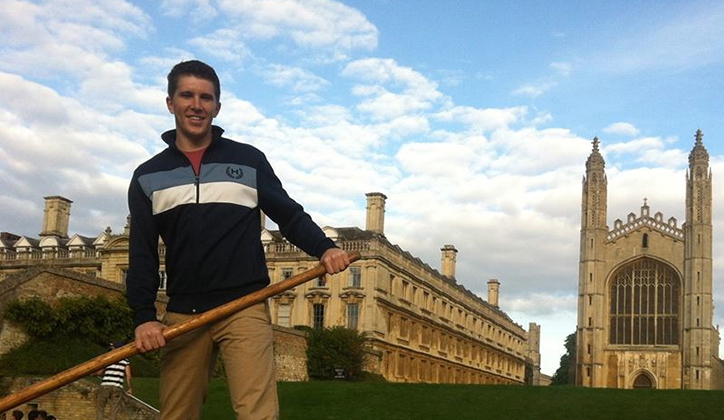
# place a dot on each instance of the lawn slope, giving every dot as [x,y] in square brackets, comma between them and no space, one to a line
[388,401]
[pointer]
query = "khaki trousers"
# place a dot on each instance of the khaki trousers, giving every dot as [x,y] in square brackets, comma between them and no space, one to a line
[245,341]
[111,396]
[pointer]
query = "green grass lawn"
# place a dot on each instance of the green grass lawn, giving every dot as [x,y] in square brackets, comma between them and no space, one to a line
[388,401]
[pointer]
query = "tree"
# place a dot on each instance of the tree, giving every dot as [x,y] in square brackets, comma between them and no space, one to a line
[335,348]
[566,373]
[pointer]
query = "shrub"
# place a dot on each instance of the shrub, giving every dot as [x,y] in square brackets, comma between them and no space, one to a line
[35,317]
[70,332]
[335,348]
[96,319]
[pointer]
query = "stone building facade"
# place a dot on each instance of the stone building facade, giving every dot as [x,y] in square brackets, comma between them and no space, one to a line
[422,325]
[645,304]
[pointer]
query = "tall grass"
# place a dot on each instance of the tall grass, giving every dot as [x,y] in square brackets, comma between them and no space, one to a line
[327,400]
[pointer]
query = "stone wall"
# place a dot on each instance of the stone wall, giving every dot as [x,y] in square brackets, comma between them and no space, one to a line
[290,354]
[76,400]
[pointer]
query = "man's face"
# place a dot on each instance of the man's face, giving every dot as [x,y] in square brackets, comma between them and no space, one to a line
[194,106]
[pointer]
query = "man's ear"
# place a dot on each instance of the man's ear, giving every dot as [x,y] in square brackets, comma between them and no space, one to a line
[218,108]
[169,104]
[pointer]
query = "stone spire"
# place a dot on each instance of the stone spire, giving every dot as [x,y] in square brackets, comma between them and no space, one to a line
[594,190]
[698,154]
[595,160]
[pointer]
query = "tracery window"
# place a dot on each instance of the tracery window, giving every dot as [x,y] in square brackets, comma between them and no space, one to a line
[644,304]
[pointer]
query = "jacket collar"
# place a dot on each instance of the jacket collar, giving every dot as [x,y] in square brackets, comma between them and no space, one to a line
[169,137]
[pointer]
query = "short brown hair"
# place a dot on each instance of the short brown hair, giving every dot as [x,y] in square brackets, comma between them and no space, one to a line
[194,68]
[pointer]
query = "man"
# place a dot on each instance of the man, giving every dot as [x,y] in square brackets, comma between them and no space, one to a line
[110,393]
[17,415]
[204,195]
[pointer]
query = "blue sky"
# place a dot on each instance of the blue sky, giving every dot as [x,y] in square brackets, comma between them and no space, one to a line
[475,118]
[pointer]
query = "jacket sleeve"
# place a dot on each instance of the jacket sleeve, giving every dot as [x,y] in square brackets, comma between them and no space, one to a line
[142,278]
[294,223]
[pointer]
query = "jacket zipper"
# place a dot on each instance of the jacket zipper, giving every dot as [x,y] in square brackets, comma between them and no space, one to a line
[196,183]
[197,178]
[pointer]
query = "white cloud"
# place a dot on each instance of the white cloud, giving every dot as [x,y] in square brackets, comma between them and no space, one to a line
[482,119]
[295,78]
[66,35]
[313,24]
[543,304]
[225,44]
[415,93]
[534,90]
[623,128]
[52,144]
[635,146]
[649,151]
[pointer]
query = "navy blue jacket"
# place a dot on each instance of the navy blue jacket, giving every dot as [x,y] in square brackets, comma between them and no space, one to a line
[210,224]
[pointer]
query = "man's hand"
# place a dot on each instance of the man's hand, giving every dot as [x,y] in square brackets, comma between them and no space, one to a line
[335,260]
[149,336]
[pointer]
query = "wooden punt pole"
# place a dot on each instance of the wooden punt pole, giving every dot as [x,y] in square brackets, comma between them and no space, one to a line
[128,350]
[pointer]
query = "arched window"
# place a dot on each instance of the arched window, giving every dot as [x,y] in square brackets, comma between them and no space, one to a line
[645,241]
[644,296]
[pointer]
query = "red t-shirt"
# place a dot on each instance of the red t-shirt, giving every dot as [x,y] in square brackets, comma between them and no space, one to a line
[195,158]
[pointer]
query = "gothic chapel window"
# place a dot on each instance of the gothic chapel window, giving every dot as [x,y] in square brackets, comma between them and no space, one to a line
[644,296]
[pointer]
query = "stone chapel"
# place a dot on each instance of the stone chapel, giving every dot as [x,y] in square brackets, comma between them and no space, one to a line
[645,307]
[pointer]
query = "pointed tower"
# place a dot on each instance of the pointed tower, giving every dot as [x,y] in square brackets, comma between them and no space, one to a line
[591,279]
[697,329]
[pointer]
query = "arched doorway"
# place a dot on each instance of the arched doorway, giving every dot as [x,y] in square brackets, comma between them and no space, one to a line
[643,381]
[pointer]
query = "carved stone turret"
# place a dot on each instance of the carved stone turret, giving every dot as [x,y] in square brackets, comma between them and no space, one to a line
[698,294]
[591,295]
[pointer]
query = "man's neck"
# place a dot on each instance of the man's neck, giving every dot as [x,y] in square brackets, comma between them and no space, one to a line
[189,145]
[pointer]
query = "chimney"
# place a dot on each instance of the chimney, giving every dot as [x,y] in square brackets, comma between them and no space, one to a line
[493,291]
[376,212]
[56,216]
[448,260]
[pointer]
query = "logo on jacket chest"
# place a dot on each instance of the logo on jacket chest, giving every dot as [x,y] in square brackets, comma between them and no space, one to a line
[234,172]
